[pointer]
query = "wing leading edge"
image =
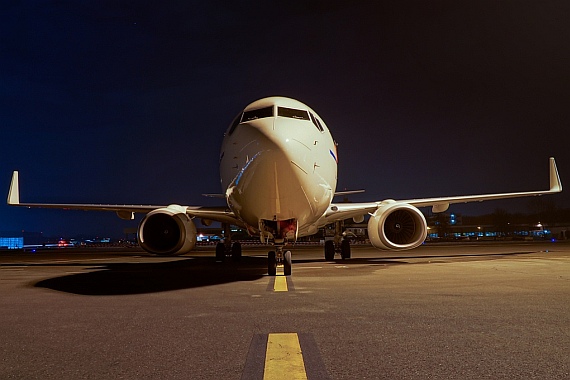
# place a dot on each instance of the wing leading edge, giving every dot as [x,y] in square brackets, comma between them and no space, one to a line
[219,214]
[350,210]
[336,211]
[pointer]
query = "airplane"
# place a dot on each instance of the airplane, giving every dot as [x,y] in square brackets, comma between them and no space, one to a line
[278,169]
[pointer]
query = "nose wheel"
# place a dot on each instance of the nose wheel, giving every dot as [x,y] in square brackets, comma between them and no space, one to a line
[287,263]
[273,258]
[271,263]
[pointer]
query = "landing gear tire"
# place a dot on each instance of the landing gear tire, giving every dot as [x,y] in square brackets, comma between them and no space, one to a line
[271,263]
[236,251]
[329,250]
[220,252]
[345,249]
[287,263]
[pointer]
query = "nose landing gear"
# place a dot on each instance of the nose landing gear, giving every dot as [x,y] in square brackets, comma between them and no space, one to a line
[279,257]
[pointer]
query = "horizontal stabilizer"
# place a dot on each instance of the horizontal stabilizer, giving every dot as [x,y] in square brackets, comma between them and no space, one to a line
[348,192]
[214,196]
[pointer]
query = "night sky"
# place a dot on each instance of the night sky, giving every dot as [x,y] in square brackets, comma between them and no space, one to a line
[127,101]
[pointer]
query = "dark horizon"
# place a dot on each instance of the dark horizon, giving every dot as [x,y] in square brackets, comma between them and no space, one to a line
[544,212]
[127,103]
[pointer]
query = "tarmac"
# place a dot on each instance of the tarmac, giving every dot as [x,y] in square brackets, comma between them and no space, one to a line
[442,311]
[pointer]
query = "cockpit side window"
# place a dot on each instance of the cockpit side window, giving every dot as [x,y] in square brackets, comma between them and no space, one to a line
[292,113]
[257,114]
[234,123]
[316,122]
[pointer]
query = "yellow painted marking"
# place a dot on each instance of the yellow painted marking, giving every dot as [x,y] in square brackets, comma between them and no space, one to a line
[280,284]
[283,358]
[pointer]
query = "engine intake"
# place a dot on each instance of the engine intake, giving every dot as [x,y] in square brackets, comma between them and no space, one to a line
[397,227]
[167,231]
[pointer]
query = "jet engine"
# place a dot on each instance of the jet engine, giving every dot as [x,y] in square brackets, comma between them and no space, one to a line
[167,231]
[397,227]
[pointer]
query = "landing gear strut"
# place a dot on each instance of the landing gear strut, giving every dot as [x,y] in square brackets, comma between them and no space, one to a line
[279,257]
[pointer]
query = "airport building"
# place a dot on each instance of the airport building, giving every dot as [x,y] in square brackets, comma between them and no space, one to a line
[11,240]
[499,225]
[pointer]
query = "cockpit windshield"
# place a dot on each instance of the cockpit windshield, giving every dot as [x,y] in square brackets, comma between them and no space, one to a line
[257,114]
[261,113]
[293,113]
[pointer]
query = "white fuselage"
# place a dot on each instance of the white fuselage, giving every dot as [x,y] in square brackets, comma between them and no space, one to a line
[278,163]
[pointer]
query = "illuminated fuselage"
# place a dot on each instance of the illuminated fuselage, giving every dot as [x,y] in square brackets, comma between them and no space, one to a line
[278,164]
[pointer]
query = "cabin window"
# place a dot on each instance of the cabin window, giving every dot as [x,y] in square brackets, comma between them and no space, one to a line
[257,114]
[293,113]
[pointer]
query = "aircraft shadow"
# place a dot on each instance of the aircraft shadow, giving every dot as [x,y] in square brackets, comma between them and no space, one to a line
[338,261]
[140,278]
[400,260]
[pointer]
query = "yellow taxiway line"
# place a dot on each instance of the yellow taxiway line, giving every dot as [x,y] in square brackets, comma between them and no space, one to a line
[280,284]
[283,358]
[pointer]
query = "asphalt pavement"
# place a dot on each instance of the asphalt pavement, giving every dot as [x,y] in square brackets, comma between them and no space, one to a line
[442,311]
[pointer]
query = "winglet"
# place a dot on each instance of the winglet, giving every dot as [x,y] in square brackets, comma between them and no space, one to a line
[555,184]
[14,193]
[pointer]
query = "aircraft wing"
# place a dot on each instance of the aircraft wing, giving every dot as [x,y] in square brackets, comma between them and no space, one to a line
[219,214]
[350,210]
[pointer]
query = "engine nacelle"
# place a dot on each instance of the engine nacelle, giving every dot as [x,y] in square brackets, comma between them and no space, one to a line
[397,227]
[167,231]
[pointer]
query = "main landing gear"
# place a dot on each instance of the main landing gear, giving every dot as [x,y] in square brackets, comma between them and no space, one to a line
[331,249]
[279,257]
[338,245]
[227,249]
